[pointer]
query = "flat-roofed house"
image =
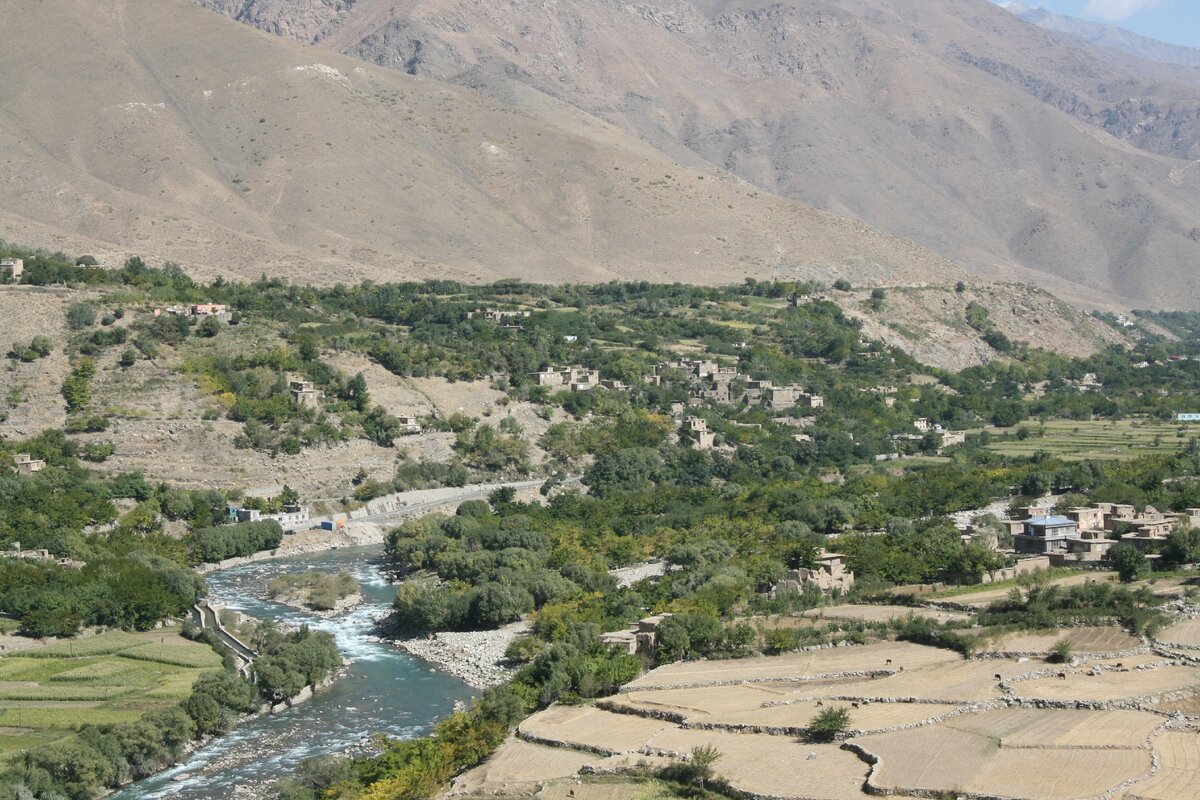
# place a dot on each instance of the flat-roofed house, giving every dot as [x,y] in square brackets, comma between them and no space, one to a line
[1046,534]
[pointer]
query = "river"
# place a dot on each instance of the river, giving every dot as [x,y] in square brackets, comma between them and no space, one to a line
[385,690]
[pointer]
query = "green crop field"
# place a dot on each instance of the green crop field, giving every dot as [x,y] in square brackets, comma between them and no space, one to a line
[1095,439]
[48,693]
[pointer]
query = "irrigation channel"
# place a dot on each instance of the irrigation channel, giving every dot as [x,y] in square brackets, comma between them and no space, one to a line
[384,690]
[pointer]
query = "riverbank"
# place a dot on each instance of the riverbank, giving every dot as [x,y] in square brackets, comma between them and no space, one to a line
[474,657]
[356,534]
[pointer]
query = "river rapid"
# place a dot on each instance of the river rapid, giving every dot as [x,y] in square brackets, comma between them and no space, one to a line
[384,690]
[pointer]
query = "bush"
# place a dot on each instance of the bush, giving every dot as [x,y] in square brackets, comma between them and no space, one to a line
[830,722]
[1060,653]
[81,315]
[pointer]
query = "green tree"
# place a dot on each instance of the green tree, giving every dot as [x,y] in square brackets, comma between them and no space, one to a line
[77,388]
[1182,547]
[830,722]
[356,393]
[1128,561]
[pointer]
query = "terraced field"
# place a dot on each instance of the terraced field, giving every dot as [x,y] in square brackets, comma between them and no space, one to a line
[923,722]
[1097,439]
[1095,640]
[48,693]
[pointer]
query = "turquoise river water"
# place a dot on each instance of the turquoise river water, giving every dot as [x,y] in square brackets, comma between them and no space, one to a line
[385,690]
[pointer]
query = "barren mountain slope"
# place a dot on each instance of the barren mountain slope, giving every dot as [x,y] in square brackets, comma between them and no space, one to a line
[952,123]
[176,133]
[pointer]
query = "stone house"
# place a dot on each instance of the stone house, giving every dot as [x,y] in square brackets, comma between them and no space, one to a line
[291,518]
[577,379]
[828,575]
[640,637]
[27,465]
[409,424]
[495,315]
[305,394]
[13,267]
[208,309]
[696,429]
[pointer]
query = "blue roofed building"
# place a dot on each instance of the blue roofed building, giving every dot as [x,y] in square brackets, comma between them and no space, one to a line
[1046,534]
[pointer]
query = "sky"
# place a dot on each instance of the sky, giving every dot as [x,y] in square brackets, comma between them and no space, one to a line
[1174,21]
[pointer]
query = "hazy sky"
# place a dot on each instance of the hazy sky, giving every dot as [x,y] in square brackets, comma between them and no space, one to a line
[1175,21]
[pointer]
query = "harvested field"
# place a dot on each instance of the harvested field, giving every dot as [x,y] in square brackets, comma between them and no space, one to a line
[590,728]
[747,706]
[1178,766]
[1057,727]
[870,613]
[943,758]
[936,744]
[519,765]
[775,766]
[1093,640]
[1186,634]
[1108,686]
[796,666]
[957,681]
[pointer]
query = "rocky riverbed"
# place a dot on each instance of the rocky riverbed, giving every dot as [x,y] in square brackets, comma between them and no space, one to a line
[474,657]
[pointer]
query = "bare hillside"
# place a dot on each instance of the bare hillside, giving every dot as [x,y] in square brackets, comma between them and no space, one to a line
[1019,152]
[177,133]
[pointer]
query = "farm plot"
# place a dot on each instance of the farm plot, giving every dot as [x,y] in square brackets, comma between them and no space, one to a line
[1106,687]
[1096,439]
[753,707]
[985,597]
[1058,727]
[48,693]
[1095,640]
[870,613]
[795,666]
[774,766]
[1183,634]
[941,758]
[1178,765]
[521,765]
[592,729]
[957,681]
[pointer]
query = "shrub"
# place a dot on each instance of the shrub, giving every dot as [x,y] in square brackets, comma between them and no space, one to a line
[830,722]
[81,315]
[1060,653]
